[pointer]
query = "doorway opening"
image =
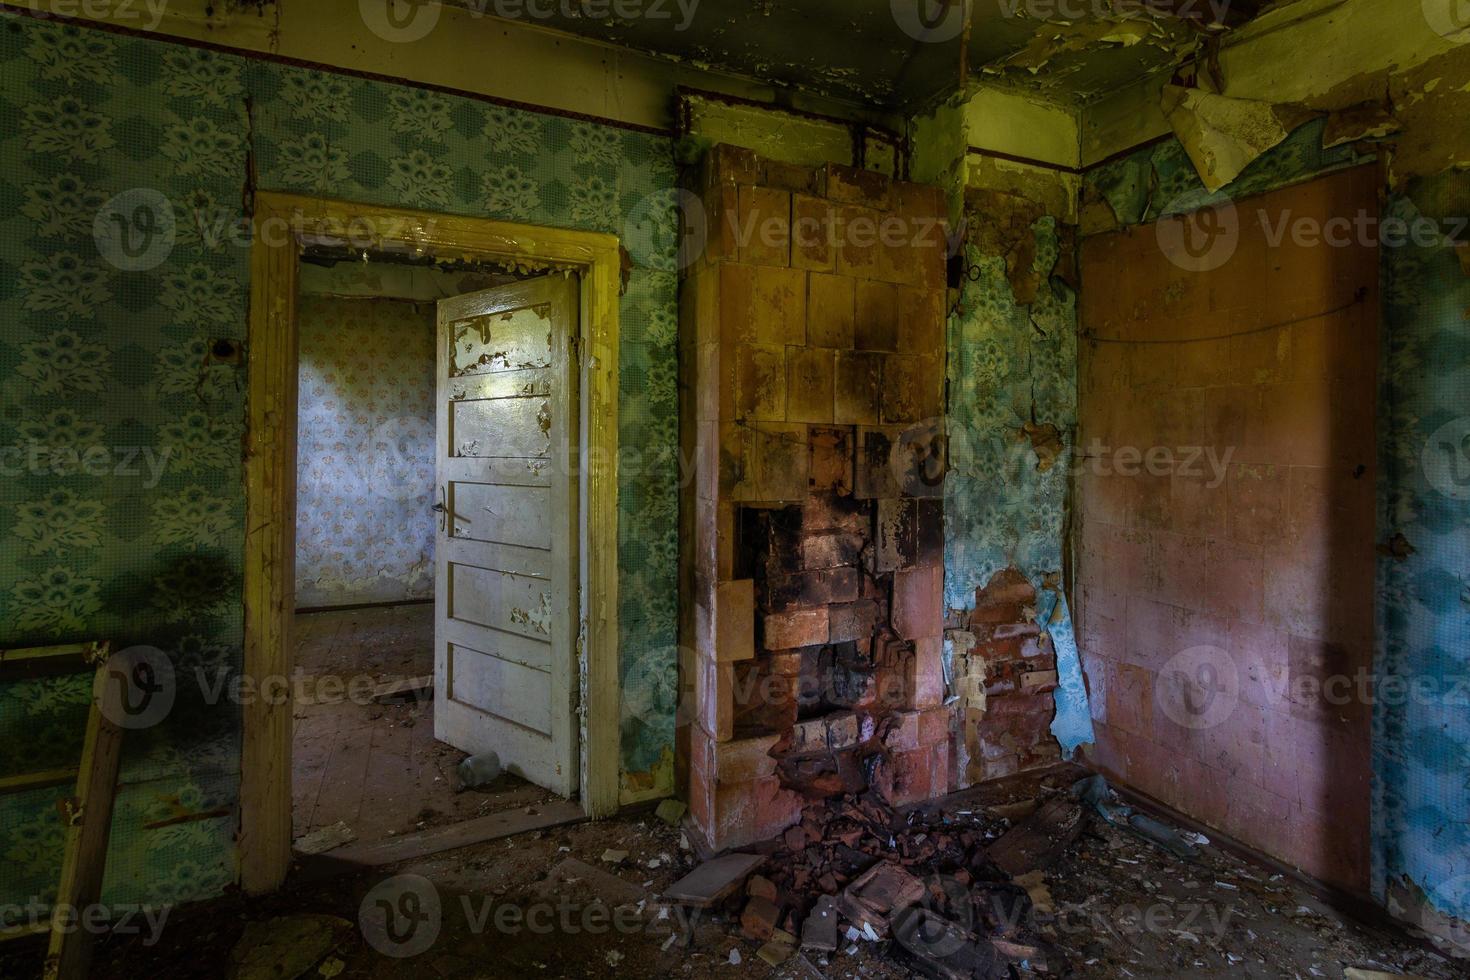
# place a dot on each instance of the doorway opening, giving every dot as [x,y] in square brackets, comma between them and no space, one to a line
[486,572]
[372,758]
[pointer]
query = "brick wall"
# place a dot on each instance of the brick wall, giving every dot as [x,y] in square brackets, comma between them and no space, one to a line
[1216,602]
[812,363]
[1007,673]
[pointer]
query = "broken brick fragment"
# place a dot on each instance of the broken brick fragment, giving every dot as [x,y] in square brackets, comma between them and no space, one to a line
[759,919]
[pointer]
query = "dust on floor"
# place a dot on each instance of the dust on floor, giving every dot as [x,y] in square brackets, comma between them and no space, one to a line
[538,905]
[376,768]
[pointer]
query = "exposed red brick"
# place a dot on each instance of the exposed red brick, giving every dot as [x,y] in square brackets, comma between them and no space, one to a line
[918,606]
[798,628]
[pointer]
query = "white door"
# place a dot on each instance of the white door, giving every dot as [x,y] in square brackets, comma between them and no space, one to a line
[505,593]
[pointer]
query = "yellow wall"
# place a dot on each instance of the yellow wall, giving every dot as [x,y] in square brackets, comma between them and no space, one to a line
[1326,54]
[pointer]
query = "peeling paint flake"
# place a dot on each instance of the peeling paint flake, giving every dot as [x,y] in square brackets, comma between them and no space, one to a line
[1223,135]
[538,619]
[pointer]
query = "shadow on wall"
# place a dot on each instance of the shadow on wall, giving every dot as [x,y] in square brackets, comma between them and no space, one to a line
[1226,488]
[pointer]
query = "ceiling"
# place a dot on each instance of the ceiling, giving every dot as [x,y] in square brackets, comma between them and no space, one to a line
[860,50]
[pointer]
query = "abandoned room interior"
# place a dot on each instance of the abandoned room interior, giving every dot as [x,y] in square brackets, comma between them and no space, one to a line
[798,488]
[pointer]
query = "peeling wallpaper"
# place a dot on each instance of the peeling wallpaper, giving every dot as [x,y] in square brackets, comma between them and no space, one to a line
[1421,745]
[1159,179]
[94,356]
[364,451]
[1012,364]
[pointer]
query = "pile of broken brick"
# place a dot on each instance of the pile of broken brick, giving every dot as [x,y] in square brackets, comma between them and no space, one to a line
[935,887]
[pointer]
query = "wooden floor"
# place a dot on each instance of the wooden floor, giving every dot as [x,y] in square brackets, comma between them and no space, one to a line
[377,766]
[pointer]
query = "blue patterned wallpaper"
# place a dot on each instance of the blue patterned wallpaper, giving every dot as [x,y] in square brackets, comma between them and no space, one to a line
[1421,742]
[364,451]
[122,505]
[1011,364]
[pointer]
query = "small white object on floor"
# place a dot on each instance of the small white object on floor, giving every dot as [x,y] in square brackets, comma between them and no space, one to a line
[734,957]
[323,839]
[476,771]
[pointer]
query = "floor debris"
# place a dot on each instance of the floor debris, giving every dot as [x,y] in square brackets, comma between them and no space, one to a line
[713,881]
[1120,907]
[286,947]
[671,811]
[323,839]
[1040,839]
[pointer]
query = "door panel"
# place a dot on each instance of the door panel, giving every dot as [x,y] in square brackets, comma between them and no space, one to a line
[500,600]
[509,690]
[509,514]
[506,626]
[517,427]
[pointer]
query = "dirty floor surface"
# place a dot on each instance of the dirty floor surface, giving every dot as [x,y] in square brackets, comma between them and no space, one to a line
[528,906]
[377,767]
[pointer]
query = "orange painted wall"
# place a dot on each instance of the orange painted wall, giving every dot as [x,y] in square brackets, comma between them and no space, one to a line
[1225,608]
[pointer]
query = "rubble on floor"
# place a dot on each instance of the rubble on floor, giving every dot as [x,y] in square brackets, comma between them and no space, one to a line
[857,871]
[1112,905]
[1069,883]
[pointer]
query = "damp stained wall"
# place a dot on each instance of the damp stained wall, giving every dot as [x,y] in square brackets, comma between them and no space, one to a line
[1224,557]
[1013,387]
[1418,856]
[446,45]
[98,356]
[364,451]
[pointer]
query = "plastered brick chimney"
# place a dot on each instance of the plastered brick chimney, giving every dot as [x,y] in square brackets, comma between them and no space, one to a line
[812,370]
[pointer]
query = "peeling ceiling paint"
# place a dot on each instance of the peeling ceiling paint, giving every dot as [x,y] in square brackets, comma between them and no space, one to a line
[1223,135]
[877,52]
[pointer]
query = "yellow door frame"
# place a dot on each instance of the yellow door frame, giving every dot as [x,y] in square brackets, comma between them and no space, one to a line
[282,224]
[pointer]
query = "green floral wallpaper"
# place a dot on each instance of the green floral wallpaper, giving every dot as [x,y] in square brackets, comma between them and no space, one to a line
[1160,179]
[121,506]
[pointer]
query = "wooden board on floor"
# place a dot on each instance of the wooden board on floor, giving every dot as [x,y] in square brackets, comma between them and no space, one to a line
[477,830]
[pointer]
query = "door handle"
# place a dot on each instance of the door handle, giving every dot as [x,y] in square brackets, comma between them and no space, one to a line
[440,509]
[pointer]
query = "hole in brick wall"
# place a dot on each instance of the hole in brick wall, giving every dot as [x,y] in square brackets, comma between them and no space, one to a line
[829,665]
